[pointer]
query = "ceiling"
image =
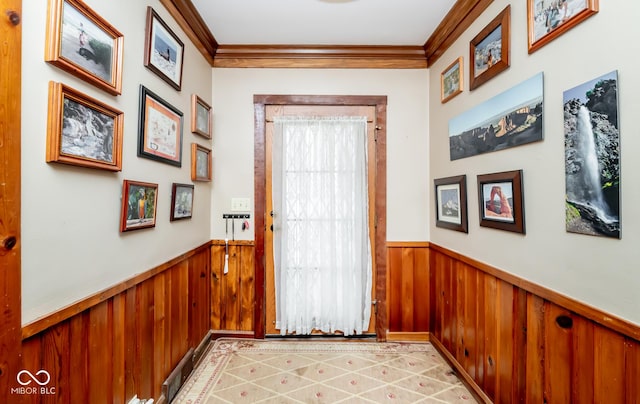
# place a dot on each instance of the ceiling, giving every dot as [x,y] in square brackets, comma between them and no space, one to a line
[322,22]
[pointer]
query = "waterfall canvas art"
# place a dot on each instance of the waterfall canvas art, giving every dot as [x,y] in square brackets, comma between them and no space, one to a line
[592,157]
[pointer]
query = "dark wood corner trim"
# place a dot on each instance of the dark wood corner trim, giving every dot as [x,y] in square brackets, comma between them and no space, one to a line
[320,56]
[603,318]
[459,18]
[49,320]
[186,15]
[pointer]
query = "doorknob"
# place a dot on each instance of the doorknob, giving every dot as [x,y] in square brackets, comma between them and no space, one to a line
[272,214]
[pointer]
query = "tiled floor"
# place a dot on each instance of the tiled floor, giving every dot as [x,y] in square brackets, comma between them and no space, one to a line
[312,371]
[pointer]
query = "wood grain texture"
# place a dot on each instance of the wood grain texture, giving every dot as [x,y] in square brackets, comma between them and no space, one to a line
[10,236]
[127,344]
[232,294]
[517,346]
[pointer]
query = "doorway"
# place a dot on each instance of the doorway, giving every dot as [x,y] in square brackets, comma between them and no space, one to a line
[267,106]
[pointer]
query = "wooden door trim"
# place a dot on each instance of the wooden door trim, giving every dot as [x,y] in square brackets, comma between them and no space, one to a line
[10,239]
[260,102]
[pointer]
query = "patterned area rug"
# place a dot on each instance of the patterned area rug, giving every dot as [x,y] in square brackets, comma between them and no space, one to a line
[312,371]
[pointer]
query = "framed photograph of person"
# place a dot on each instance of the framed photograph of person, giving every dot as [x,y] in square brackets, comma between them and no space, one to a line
[159,129]
[489,50]
[451,203]
[501,202]
[139,201]
[201,163]
[82,43]
[83,131]
[200,117]
[547,19]
[181,201]
[451,82]
[163,50]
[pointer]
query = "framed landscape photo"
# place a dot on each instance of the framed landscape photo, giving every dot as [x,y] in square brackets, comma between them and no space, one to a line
[82,43]
[200,163]
[489,50]
[200,117]
[500,198]
[163,50]
[547,20]
[181,201]
[160,129]
[83,131]
[139,202]
[451,203]
[451,83]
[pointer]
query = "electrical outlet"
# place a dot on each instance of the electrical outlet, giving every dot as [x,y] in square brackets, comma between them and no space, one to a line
[240,205]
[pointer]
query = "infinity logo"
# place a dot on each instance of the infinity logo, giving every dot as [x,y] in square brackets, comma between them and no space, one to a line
[33,378]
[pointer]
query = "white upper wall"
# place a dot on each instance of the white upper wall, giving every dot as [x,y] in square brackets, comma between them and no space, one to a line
[599,271]
[407,134]
[71,243]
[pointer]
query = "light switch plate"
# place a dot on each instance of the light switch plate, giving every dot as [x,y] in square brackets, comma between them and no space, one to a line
[240,205]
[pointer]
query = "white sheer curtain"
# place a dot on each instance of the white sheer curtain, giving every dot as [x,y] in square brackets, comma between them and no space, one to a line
[322,255]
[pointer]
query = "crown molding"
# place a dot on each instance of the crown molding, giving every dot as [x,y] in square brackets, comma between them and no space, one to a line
[459,18]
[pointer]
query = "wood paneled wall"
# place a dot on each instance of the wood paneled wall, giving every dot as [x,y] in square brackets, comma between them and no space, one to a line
[232,294]
[128,339]
[408,290]
[519,342]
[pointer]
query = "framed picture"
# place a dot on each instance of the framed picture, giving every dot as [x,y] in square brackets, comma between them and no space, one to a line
[181,201]
[139,201]
[163,50]
[451,203]
[489,50]
[82,130]
[592,155]
[547,20]
[200,163]
[501,201]
[160,129]
[200,117]
[451,81]
[82,43]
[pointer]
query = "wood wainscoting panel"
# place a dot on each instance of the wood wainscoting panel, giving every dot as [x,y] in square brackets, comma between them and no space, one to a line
[517,342]
[126,343]
[233,293]
[408,288]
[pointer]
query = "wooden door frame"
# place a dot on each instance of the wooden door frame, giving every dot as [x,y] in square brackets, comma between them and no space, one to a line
[10,178]
[260,103]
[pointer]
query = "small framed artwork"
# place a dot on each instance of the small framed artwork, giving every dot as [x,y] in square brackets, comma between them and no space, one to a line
[163,50]
[200,163]
[139,201]
[82,43]
[160,129]
[489,50]
[82,130]
[181,201]
[451,203]
[501,201]
[548,20]
[200,117]
[451,81]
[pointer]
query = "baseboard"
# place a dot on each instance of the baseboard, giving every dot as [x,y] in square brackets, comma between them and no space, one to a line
[215,334]
[201,348]
[171,386]
[394,336]
[462,374]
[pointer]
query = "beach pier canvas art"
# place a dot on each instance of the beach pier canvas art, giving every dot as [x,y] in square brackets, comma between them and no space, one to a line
[592,157]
